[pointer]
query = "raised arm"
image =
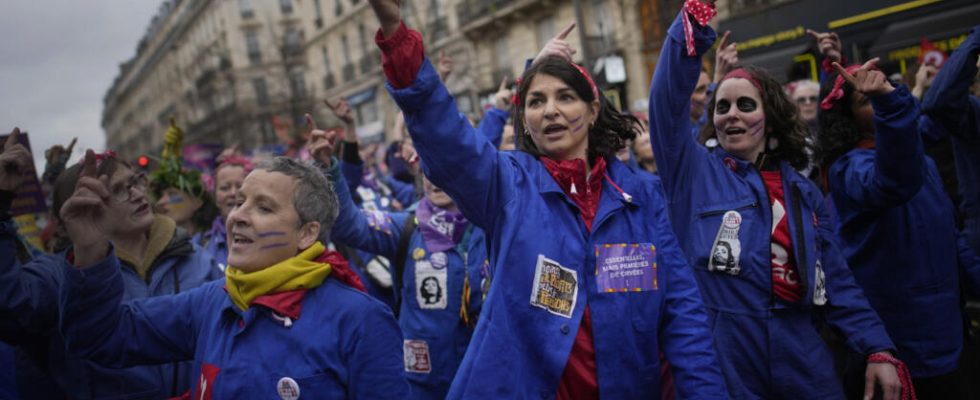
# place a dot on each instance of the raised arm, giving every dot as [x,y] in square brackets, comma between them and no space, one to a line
[492,125]
[677,152]
[465,164]
[896,173]
[949,102]
[98,326]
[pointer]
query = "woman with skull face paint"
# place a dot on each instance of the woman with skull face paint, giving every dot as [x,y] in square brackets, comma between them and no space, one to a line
[746,195]
[441,283]
[897,225]
[590,284]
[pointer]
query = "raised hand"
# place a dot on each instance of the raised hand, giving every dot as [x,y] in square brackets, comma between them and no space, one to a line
[389,13]
[868,79]
[341,110]
[444,66]
[14,162]
[501,99]
[828,43]
[321,142]
[85,214]
[923,79]
[557,46]
[725,57]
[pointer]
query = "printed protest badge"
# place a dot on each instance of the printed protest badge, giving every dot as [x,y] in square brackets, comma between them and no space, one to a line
[726,249]
[417,357]
[626,267]
[439,260]
[820,287]
[287,388]
[379,220]
[555,287]
[430,286]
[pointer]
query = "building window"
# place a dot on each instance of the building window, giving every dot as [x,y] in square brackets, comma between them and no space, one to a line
[346,48]
[338,8]
[286,6]
[293,41]
[319,14]
[546,30]
[367,112]
[297,84]
[254,49]
[326,60]
[261,92]
[246,8]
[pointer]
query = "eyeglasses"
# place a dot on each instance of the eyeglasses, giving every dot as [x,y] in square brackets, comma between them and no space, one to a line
[807,100]
[124,192]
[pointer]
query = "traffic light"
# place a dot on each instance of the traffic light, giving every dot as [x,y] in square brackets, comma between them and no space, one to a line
[143,161]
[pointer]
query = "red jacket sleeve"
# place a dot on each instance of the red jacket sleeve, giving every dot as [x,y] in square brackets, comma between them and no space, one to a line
[401,55]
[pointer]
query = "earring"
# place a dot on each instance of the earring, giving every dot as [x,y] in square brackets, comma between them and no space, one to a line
[773,143]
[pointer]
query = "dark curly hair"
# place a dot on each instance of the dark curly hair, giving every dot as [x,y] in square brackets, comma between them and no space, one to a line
[612,129]
[839,131]
[783,120]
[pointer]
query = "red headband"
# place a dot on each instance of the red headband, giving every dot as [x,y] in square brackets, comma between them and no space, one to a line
[595,91]
[744,74]
[838,91]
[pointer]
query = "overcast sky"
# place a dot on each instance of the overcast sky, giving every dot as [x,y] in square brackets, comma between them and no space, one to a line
[57,59]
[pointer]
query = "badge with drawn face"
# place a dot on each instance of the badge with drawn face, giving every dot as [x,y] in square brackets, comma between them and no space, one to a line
[439,260]
[430,286]
[727,248]
[820,286]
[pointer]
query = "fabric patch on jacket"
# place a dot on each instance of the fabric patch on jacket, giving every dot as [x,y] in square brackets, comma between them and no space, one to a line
[430,286]
[820,286]
[205,383]
[626,267]
[555,288]
[726,249]
[417,357]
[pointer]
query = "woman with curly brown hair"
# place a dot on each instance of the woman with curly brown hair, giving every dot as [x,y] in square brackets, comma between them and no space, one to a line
[746,196]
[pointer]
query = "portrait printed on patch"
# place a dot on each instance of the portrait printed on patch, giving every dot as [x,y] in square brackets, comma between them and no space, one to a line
[430,286]
[726,248]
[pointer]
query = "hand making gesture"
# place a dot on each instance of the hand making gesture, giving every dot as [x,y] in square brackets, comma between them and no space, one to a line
[828,43]
[321,142]
[868,79]
[726,56]
[85,214]
[15,160]
[557,46]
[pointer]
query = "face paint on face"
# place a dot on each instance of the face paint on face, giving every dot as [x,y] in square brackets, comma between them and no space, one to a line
[557,118]
[740,121]
[227,182]
[264,228]
[177,205]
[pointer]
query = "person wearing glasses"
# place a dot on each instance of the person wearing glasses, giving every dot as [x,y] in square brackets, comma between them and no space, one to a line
[156,258]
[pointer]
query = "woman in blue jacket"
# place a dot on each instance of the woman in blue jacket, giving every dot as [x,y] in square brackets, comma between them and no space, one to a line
[746,198]
[443,276]
[897,224]
[170,264]
[590,284]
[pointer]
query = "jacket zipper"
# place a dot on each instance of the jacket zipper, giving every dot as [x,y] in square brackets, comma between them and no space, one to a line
[803,267]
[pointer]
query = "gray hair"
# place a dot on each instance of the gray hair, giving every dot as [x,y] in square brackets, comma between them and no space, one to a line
[315,199]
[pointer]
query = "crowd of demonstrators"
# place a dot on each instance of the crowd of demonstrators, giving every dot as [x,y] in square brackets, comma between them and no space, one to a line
[742,239]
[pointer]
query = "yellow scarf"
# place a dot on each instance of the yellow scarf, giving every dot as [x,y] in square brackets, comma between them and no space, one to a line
[293,273]
[161,232]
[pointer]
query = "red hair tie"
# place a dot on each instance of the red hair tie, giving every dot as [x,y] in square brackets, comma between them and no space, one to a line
[514,98]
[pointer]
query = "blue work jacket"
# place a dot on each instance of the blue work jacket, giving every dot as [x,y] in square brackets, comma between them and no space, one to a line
[30,306]
[899,235]
[343,345]
[767,348]
[437,328]
[544,264]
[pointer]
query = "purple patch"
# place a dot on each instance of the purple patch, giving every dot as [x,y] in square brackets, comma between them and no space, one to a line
[273,246]
[626,267]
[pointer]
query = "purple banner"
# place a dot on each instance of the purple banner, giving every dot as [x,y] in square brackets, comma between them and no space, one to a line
[626,267]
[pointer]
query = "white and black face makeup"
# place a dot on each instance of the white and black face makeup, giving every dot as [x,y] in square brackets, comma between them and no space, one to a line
[740,121]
